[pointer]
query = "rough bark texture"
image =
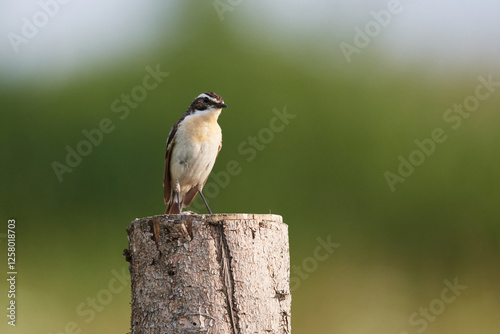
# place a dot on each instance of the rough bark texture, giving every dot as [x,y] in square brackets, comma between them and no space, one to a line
[226,273]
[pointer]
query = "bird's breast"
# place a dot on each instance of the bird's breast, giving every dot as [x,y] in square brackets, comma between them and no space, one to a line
[201,129]
[197,142]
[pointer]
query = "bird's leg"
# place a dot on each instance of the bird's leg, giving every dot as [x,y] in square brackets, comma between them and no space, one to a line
[206,204]
[177,191]
[178,202]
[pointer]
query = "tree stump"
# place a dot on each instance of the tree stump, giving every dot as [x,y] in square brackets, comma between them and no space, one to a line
[221,273]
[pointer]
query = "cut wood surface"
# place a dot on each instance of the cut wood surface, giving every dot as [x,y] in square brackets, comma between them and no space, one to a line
[221,273]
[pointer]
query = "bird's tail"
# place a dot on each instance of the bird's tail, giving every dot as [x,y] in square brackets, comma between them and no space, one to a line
[172,207]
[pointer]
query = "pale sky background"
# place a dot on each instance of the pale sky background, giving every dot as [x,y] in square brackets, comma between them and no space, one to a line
[451,33]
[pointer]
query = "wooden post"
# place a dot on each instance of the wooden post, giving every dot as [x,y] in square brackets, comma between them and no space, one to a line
[221,273]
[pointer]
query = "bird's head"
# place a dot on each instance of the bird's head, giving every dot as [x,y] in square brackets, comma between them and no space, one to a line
[208,102]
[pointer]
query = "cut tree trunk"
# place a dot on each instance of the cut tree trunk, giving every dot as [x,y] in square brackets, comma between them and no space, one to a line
[222,273]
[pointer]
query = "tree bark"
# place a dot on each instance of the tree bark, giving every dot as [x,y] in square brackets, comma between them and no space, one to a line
[222,273]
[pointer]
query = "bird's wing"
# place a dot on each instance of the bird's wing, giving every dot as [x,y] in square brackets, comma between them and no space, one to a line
[166,173]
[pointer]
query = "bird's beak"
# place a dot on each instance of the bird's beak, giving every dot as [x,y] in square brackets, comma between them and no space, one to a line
[220,105]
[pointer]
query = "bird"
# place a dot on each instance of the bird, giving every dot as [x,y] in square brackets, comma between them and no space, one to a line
[193,145]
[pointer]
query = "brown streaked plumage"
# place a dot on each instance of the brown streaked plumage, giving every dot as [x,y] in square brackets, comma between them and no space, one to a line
[192,147]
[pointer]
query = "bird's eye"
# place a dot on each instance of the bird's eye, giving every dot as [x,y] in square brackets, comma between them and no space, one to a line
[206,99]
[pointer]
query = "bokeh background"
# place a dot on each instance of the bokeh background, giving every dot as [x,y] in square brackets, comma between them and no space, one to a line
[351,118]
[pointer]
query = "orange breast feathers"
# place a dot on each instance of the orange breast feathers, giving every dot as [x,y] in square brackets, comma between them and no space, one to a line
[202,128]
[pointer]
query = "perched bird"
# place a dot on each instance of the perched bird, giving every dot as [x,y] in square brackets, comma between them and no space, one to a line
[192,147]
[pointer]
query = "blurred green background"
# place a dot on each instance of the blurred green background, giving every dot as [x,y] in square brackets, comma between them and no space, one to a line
[323,170]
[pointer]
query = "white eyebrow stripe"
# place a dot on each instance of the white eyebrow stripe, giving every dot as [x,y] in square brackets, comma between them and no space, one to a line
[205,95]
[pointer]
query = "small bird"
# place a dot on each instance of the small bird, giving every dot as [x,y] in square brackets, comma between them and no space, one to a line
[192,147]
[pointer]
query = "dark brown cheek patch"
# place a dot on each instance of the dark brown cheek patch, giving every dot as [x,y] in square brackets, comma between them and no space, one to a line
[199,105]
